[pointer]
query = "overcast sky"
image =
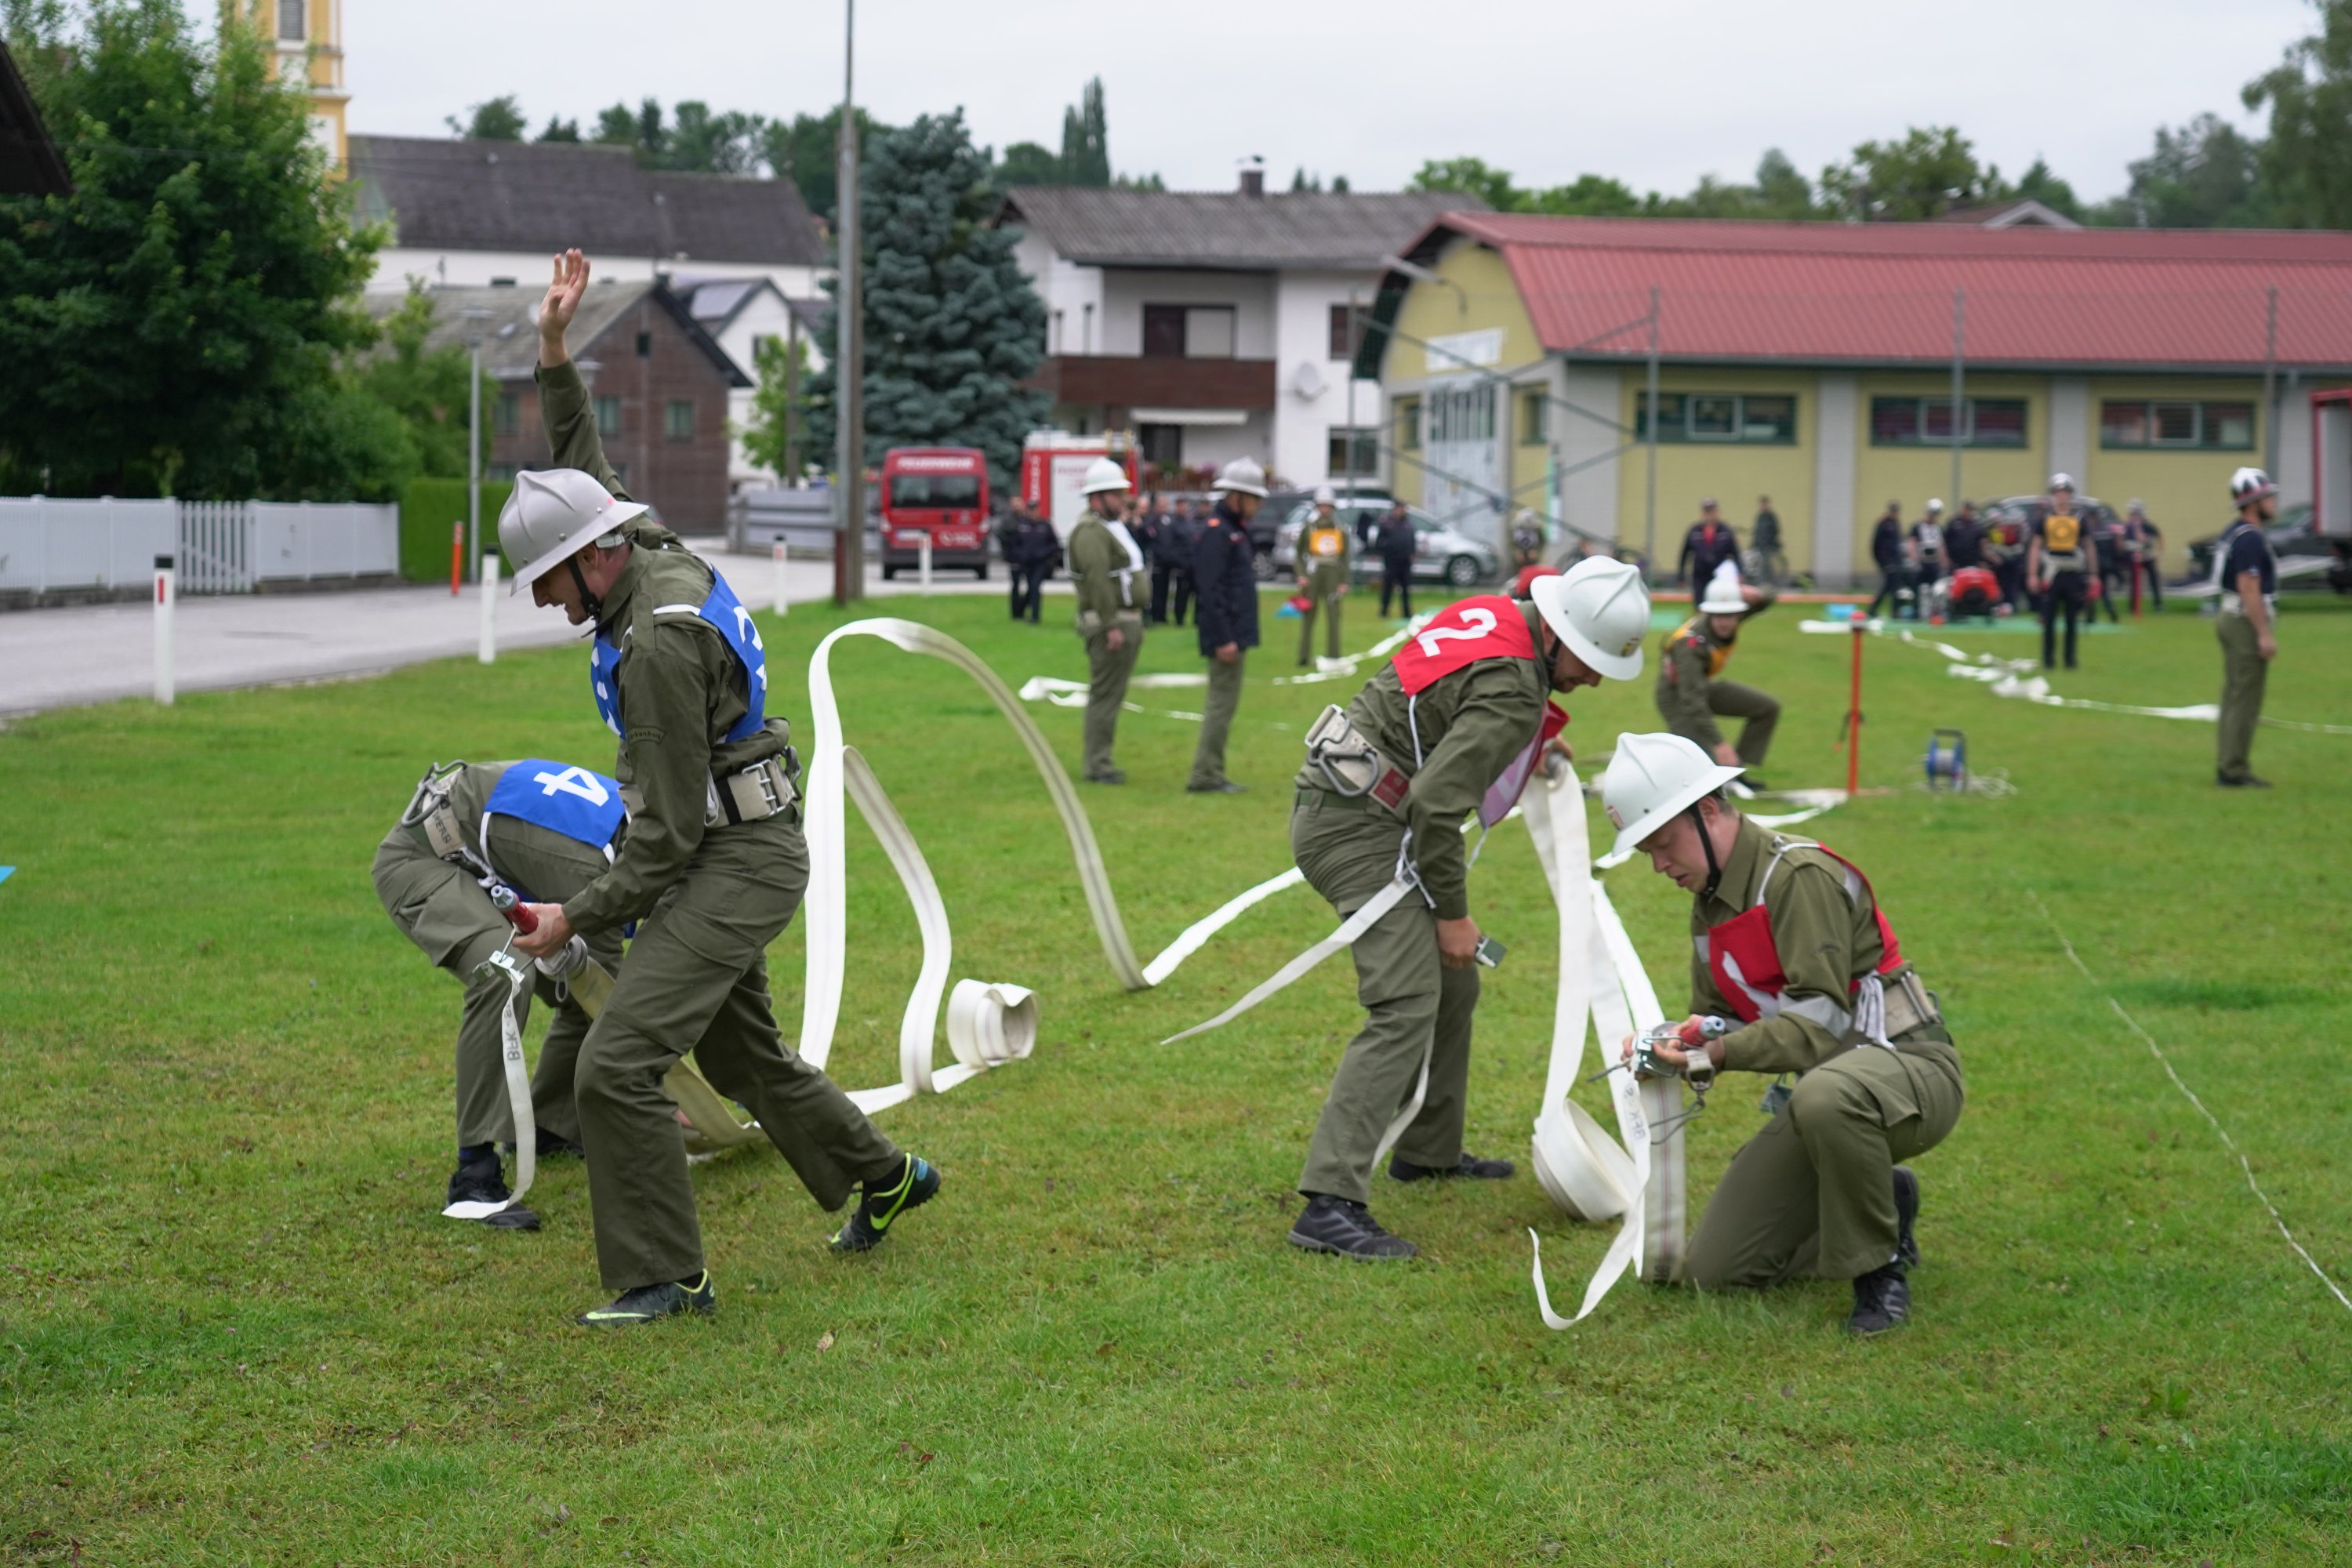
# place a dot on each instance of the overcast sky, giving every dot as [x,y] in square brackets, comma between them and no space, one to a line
[1655,94]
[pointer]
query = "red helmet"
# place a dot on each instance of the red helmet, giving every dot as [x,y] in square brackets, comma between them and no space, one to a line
[1526,577]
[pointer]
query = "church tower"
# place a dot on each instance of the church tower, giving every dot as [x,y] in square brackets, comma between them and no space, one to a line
[308,39]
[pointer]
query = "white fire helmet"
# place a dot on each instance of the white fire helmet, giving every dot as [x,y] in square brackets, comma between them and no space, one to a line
[1242,474]
[1722,595]
[1599,608]
[551,514]
[1651,778]
[2250,485]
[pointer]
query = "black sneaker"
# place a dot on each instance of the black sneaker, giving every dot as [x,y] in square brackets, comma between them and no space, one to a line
[550,1146]
[651,1303]
[2248,782]
[1107,776]
[1335,1224]
[481,1180]
[1882,1299]
[1222,786]
[1755,782]
[1403,1170]
[1906,1215]
[879,1204]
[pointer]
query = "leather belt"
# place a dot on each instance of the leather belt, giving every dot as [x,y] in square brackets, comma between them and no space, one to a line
[757,792]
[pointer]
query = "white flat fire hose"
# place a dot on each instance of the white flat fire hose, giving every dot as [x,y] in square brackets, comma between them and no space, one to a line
[987,1024]
[526,1125]
[1589,1176]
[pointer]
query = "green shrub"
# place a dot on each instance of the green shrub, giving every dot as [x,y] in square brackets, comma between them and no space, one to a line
[427,508]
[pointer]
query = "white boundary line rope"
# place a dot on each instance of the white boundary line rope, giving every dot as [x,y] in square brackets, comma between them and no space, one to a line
[2190,1095]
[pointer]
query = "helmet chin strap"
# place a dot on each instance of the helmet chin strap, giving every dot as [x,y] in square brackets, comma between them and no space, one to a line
[1707,847]
[589,601]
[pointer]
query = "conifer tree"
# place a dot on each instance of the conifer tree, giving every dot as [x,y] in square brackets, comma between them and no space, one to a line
[951,326]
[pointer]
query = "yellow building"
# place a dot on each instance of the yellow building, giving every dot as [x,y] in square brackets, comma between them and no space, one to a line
[308,39]
[1814,364]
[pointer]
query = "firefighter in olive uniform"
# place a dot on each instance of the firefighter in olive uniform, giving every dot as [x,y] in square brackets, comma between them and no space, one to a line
[1691,692]
[1105,564]
[1455,723]
[1322,575]
[2246,573]
[1225,576]
[711,869]
[542,830]
[1789,939]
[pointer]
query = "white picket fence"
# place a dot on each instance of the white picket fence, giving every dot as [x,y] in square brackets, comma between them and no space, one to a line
[221,547]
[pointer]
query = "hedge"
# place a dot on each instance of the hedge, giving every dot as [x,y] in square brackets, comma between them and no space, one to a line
[427,508]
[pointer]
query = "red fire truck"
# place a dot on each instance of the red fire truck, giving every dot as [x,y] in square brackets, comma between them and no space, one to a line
[941,492]
[1054,463]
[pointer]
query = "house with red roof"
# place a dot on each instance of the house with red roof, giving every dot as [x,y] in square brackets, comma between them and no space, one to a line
[1520,357]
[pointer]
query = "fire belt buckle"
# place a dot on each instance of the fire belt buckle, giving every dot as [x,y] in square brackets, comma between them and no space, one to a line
[769,795]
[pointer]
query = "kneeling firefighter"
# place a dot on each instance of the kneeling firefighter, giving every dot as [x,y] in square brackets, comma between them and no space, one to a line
[1455,723]
[1790,941]
[1691,691]
[712,868]
[473,832]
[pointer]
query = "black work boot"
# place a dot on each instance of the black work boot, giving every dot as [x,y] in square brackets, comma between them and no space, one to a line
[549,1145]
[1906,1215]
[651,1303]
[1403,1170]
[479,1179]
[1335,1224]
[880,1202]
[1882,1299]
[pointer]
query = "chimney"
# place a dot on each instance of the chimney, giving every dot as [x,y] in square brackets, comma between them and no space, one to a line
[1253,176]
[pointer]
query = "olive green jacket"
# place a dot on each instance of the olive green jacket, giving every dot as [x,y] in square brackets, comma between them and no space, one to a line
[680,687]
[1692,657]
[1096,559]
[1471,724]
[1825,930]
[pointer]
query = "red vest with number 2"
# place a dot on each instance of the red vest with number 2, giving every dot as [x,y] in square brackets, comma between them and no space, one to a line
[1486,627]
[1745,963]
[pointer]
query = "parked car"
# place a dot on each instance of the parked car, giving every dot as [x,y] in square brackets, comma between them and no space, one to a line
[2293,534]
[1439,554]
[1280,506]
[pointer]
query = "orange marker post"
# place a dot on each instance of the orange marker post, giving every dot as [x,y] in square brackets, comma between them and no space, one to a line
[456,557]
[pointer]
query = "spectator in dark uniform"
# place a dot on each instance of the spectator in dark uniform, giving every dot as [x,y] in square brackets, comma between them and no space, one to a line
[1771,562]
[1887,549]
[1225,572]
[1964,538]
[1171,571]
[1395,545]
[1710,544]
[1030,547]
[2142,545]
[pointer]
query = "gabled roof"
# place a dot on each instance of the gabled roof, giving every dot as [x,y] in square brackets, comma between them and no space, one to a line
[1882,293]
[1224,231]
[29,164]
[715,302]
[548,196]
[509,324]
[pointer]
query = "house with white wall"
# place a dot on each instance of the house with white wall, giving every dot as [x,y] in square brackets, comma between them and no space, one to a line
[491,213]
[1215,325]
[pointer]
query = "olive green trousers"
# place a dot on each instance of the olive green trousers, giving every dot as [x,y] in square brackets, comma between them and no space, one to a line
[1323,597]
[1414,1006]
[1217,721]
[2244,673]
[1108,669]
[697,979]
[1730,699]
[445,912]
[1813,1193]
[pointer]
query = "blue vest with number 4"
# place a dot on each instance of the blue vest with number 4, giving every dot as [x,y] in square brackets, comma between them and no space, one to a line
[725,614]
[559,797]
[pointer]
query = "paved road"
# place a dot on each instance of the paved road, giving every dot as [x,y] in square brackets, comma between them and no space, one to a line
[64,657]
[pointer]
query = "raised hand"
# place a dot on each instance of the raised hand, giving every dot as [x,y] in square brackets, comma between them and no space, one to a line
[560,304]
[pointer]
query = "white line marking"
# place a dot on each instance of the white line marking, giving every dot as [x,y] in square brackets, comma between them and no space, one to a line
[2221,1132]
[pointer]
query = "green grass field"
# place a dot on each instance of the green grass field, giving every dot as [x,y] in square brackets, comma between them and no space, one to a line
[234,1329]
